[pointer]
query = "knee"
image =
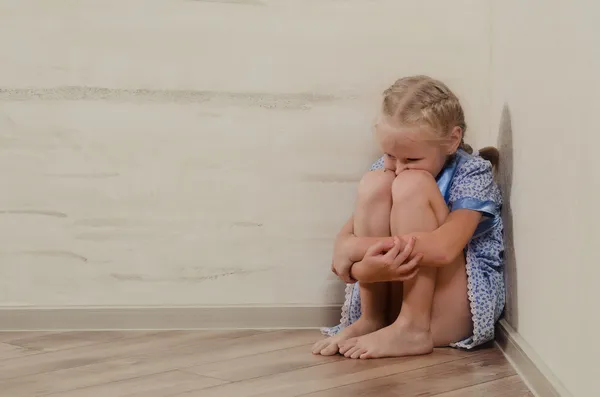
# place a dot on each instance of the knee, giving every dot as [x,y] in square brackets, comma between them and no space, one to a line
[413,185]
[376,187]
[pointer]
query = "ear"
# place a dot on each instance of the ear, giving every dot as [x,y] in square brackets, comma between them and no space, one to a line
[454,140]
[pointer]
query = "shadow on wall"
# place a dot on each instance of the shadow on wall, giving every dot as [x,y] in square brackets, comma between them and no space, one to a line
[505,178]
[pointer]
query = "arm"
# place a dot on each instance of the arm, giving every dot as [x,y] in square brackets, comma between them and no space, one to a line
[442,246]
[349,249]
[347,230]
[385,262]
[358,246]
[438,248]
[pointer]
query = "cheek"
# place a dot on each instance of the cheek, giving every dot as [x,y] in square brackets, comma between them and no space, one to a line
[437,166]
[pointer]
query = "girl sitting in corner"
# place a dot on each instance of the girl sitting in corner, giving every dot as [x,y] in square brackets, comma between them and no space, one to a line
[438,281]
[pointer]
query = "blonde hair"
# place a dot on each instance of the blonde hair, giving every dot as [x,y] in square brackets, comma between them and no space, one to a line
[422,100]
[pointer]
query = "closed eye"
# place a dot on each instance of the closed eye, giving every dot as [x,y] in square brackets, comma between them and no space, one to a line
[413,160]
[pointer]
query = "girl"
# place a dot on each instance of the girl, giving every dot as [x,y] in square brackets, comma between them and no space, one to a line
[439,281]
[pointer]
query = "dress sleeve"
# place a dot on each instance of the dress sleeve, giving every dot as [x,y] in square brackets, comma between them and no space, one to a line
[474,188]
[377,165]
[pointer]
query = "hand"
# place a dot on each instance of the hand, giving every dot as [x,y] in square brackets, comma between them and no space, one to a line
[341,263]
[387,262]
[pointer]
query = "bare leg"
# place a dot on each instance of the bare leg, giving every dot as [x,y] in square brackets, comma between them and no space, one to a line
[419,206]
[371,218]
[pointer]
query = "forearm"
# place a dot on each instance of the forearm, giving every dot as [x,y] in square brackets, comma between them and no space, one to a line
[359,245]
[435,250]
[437,255]
[358,271]
[442,246]
[347,230]
[439,247]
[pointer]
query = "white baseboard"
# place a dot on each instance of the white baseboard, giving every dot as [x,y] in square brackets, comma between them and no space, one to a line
[166,318]
[528,364]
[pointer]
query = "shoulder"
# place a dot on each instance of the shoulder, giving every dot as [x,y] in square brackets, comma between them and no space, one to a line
[474,178]
[473,165]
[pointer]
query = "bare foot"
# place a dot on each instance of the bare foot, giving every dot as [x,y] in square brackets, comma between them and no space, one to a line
[362,326]
[397,340]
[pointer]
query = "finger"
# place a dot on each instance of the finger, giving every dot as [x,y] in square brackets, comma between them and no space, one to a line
[379,248]
[345,277]
[409,276]
[348,280]
[403,256]
[408,268]
[394,251]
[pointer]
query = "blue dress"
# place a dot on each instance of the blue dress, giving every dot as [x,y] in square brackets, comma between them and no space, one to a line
[466,183]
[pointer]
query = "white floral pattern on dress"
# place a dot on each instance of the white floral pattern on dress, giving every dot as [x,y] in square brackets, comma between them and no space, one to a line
[466,183]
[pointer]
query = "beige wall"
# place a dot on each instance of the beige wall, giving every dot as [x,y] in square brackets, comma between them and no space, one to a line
[205,152]
[545,73]
[202,152]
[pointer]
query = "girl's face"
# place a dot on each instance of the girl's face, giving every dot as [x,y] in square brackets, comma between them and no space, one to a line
[414,148]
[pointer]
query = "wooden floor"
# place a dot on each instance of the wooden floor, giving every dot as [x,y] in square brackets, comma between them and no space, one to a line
[234,364]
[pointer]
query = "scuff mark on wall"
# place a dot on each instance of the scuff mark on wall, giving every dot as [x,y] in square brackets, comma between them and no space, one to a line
[122,235]
[56,214]
[98,175]
[298,101]
[127,277]
[56,253]
[185,278]
[330,178]
[246,224]
[11,123]
[246,2]
[104,222]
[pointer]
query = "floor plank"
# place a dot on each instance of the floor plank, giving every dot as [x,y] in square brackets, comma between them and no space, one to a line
[159,385]
[431,380]
[122,348]
[40,377]
[265,364]
[147,362]
[8,336]
[239,363]
[511,386]
[8,351]
[325,376]
[68,340]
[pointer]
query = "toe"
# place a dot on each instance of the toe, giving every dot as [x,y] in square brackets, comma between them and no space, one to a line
[317,347]
[357,353]
[330,349]
[347,345]
[350,352]
[365,355]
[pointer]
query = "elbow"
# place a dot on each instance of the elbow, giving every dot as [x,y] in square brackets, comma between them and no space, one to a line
[440,261]
[444,256]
